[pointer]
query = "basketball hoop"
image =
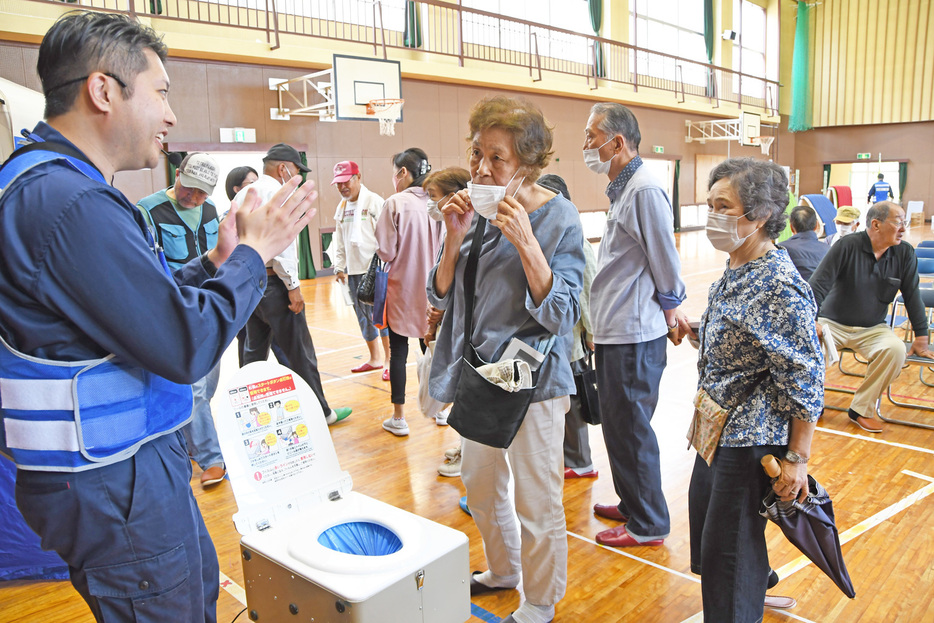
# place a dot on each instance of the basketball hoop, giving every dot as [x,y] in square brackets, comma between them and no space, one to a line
[387,111]
[764,143]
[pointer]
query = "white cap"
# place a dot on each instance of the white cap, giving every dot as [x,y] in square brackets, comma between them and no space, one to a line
[198,171]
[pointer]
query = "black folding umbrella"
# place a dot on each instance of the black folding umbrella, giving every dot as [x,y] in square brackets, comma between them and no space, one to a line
[810,527]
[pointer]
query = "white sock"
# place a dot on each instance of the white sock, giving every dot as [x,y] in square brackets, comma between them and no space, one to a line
[530,613]
[488,578]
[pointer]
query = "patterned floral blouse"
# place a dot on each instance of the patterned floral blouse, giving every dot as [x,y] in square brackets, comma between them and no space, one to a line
[758,335]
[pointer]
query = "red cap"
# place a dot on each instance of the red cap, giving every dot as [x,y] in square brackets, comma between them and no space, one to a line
[343,171]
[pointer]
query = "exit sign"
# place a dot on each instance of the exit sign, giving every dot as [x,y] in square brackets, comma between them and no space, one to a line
[863,156]
[658,149]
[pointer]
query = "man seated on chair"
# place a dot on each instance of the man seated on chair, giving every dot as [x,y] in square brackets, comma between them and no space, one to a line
[804,249]
[853,287]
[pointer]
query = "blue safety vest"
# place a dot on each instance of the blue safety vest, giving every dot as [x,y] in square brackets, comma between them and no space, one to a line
[79,415]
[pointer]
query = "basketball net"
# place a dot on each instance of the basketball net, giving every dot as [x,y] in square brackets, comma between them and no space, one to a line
[764,142]
[387,111]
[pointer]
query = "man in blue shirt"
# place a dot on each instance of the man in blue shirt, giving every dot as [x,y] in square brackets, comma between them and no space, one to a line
[804,249]
[634,302]
[82,290]
[880,191]
[184,222]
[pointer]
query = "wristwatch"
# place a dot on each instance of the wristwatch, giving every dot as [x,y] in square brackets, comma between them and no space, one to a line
[793,457]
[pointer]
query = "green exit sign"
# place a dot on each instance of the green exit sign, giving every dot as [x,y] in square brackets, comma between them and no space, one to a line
[863,156]
[658,149]
[239,135]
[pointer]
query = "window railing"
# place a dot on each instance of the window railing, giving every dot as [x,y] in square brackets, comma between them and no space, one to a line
[470,36]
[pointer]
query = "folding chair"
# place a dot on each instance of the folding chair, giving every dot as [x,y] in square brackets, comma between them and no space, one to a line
[925,244]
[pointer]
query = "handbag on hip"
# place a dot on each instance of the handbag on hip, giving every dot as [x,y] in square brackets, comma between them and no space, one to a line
[366,291]
[381,291]
[484,411]
[710,419]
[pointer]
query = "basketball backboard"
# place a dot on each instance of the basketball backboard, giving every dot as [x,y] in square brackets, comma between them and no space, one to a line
[358,80]
[749,128]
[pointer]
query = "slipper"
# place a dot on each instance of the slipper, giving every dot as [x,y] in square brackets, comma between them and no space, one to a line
[365,368]
[780,603]
[386,375]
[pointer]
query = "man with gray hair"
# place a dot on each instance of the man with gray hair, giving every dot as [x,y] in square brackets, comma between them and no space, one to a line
[853,287]
[634,304]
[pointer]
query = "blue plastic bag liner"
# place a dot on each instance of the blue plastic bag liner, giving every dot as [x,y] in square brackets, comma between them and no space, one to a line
[361,538]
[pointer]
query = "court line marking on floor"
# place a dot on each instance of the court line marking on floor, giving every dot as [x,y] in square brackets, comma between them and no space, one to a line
[894,444]
[234,589]
[636,558]
[868,523]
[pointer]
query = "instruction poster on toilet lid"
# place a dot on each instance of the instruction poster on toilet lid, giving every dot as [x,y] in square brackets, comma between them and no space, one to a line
[273,429]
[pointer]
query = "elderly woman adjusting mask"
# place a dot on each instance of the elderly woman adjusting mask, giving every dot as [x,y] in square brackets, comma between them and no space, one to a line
[528,282]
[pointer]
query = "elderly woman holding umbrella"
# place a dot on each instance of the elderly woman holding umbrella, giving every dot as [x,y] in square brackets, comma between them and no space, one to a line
[761,378]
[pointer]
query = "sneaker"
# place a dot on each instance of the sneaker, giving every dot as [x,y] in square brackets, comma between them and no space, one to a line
[337,415]
[396,426]
[451,467]
[442,418]
[452,453]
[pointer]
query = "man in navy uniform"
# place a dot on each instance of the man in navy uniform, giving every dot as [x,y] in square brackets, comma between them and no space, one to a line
[880,191]
[101,341]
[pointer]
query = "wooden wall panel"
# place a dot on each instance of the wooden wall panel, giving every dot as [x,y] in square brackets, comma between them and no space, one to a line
[871,61]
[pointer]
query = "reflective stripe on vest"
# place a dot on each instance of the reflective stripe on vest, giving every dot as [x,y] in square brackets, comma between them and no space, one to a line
[74,416]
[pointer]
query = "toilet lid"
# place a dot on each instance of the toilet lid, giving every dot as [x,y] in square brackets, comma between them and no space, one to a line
[277,447]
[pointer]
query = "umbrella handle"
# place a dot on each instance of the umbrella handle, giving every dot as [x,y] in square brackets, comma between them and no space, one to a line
[771,466]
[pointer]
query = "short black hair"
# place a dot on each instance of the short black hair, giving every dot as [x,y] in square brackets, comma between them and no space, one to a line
[803,218]
[556,184]
[236,177]
[880,176]
[81,42]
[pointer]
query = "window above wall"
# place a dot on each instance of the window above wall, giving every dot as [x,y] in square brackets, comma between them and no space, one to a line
[673,27]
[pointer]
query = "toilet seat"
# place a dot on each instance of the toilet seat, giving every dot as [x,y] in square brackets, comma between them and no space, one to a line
[306,549]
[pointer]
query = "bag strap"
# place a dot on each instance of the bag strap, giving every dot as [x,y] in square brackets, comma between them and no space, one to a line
[470,282]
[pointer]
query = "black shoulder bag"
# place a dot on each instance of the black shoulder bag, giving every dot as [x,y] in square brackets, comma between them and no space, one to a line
[483,411]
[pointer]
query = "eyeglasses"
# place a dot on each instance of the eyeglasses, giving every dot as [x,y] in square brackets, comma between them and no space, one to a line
[83,78]
[901,224]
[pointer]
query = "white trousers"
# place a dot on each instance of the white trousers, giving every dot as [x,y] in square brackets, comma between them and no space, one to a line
[537,547]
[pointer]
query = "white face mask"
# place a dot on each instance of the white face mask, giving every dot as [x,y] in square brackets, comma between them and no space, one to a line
[722,232]
[486,197]
[434,211]
[845,229]
[593,162]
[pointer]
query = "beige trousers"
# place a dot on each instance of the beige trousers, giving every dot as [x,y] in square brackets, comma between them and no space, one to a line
[538,546]
[885,352]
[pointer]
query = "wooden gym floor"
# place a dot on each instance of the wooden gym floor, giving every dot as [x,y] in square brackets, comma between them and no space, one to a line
[881,486]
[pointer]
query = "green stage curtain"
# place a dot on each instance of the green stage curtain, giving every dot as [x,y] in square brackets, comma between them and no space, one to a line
[412,37]
[800,118]
[306,258]
[676,197]
[596,21]
[709,40]
[902,180]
